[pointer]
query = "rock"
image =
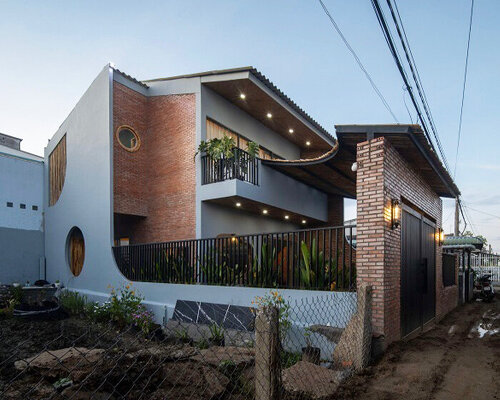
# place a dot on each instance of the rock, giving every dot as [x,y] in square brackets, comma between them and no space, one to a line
[164,353]
[307,379]
[72,360]
[332,333]
[188,380]
[233,337]
[240,356]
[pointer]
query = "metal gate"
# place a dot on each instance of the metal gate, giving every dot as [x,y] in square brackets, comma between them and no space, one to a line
[418,270]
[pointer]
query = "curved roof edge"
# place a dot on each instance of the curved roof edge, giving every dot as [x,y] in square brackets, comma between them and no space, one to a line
[306,161]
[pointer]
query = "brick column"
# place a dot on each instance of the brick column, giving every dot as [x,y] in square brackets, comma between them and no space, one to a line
[371,226]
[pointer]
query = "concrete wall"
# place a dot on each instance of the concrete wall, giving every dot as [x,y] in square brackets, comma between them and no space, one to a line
[21,252]
[21,229]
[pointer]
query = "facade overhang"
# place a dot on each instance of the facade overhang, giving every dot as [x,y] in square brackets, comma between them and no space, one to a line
[409,140]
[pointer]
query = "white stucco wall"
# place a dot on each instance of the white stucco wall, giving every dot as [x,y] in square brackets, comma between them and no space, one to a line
[21,182]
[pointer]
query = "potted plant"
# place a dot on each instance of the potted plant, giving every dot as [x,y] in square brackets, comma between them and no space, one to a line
[310,353]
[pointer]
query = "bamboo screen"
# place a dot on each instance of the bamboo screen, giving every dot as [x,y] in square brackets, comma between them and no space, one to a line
[57,171]
[76,251]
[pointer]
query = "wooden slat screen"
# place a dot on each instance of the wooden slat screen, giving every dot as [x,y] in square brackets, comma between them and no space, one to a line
[57,171]
[76,251]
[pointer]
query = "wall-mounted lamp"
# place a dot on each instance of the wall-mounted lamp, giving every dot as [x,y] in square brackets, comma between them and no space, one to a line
[440,236]
[395,213]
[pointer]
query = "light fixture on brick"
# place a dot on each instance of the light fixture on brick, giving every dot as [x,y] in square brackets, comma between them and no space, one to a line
[238,204]
[395,213]
[243,96]
[287,217]
[440,236]
[290,130]
[269,115]
[304,221]
[308,143]
[264,211]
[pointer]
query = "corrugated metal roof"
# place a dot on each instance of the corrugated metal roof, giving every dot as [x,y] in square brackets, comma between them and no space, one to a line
[462,241]
[262,78]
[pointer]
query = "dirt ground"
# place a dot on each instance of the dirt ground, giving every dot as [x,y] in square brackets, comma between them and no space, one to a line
[458,359]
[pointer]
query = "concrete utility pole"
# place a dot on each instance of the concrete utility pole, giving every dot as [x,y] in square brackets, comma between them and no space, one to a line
[457,217]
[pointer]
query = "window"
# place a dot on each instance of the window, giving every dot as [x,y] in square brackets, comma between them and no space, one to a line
[22,206]
[128,138]
[34,208]
[75,250]
[216,130]
[57,171]
[10,204]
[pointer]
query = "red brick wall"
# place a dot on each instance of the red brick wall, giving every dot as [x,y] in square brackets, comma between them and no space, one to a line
[159,180]
[384,175]
[446,297]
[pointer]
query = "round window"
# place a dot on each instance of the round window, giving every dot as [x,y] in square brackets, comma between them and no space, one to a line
[128,138]
[75,250]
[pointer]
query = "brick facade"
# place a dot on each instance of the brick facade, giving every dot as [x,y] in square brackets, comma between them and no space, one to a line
[384,175]
[155,187]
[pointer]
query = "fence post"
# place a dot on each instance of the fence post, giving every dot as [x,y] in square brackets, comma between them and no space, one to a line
[267,346]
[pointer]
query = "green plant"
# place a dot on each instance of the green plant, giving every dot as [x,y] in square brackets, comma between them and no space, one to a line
[7,311]
[123,304]
[182,334]
[253,149]
[275,299]
[202,344]
[217,334]
[73,302]
[97,312]
[143,319]
[288,359]
[16,293]
[227,367]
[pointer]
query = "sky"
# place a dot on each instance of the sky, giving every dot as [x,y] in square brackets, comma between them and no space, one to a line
[52,50]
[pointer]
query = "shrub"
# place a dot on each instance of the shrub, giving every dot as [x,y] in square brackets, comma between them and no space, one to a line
[123,304]
[97,312]
[143,319]
[73,302]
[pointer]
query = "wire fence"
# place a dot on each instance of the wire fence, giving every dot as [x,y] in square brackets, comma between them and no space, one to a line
[290,349]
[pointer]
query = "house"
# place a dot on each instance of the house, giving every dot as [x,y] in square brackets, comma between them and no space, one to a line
[21,213]
[127,197]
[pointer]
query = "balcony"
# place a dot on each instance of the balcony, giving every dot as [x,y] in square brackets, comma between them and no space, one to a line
[241,166]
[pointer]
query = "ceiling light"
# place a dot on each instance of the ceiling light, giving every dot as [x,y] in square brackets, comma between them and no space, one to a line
[238,204]
[242,96]
[308,143]
[264,211]
[290,130]
[269,115]
[304,221]
[287,217]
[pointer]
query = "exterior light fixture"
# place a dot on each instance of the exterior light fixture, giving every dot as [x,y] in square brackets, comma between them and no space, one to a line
[287,217]
[269,115]
[233,239]
[243,96]
[354,167]
[395,213]
[264,211]
[238,204]
[304,221]
[440,236]
[290,130]
[308,143]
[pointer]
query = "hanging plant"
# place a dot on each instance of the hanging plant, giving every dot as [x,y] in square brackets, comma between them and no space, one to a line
[218,148]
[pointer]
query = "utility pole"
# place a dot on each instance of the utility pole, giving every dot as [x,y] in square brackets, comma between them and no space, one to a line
[457,217]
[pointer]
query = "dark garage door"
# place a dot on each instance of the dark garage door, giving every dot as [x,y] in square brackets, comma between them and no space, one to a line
[418,266]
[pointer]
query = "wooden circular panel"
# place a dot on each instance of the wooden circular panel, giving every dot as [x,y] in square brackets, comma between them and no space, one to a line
[128,138]
[76,251]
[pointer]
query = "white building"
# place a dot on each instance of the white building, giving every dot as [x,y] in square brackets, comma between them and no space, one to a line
[21,213]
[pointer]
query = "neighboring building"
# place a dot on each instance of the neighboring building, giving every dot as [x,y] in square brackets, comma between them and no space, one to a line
[21,213]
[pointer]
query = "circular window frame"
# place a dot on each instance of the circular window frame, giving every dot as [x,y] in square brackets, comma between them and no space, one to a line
[68,251]
[134,132]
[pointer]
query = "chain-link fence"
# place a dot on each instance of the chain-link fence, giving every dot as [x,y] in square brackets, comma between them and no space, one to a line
[290,349]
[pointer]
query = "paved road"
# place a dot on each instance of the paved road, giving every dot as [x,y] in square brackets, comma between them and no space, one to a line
[458,359]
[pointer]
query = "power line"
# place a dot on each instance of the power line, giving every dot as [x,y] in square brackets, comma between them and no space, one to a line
[463,88]
[483,212]
[360,64]
[416,77]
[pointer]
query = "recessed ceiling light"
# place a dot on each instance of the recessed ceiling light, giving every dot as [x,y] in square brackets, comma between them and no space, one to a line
[264,211]
[287,216]
[238,204]
[242,96]
[269,115]
[308,143]
[290,130]
[304,221]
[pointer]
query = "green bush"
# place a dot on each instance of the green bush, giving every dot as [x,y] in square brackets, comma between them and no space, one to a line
[73,302]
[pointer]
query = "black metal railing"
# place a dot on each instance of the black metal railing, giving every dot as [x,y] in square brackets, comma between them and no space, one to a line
[316,259]
[240,166]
